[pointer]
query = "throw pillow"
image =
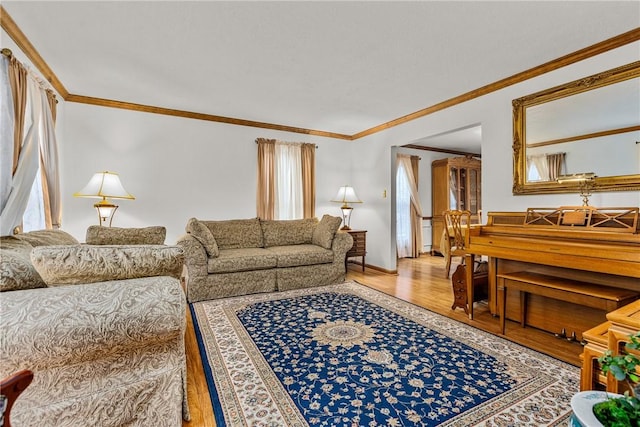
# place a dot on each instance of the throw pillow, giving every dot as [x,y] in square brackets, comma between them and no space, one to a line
[203,235]
[47,238]
[237,233]
[288,232]
[73,264]
[16,270]
[98,235]
[325,230]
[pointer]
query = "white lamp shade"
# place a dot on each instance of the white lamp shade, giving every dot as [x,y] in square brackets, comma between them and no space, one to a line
[104,184]
[346,194]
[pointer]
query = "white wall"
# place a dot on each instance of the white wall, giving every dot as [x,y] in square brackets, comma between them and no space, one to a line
[494,113]
[176,168]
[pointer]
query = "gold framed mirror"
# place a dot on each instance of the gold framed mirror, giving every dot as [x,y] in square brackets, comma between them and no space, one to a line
[590,125]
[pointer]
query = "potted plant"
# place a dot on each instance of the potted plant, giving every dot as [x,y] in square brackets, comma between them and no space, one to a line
[624,410]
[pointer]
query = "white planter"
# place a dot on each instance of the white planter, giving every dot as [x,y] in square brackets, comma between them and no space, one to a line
[582,404]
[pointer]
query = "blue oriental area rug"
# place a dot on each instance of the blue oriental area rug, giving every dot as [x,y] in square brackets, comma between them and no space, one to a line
[347,355]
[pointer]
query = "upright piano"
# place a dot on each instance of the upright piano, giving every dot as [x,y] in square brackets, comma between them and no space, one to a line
[582,244]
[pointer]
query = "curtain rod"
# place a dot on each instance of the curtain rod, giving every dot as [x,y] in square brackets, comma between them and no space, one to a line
[9,54]
[296,143]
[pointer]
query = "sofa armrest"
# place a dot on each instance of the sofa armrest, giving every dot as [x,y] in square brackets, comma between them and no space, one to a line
[342,242]
[195,256]
[59,326]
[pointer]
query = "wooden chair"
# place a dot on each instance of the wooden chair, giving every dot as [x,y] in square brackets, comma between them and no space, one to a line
[10,389]
[456,236]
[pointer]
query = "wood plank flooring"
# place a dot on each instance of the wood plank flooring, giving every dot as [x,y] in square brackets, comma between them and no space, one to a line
[420,281]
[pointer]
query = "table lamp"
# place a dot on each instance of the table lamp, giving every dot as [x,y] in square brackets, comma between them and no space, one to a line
[346,195]
[102,185]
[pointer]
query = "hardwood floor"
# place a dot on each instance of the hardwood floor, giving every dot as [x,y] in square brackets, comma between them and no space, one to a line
[419,281]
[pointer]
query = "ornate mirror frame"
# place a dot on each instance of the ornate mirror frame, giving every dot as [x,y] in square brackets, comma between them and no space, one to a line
[520,105]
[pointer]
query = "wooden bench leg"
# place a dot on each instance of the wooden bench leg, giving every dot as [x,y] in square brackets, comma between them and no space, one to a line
[523,308]
[502,303]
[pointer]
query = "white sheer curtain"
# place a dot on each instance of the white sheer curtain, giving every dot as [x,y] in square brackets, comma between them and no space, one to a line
[34,217]
[288,177]
[28,163]
[406,196]
[538,163]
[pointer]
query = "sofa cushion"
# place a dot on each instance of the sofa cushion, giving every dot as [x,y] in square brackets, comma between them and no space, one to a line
[325,230]
[98,235]
[16,270]
[234,260]
[47,238]
[236,233]
[297,255]
[202,234]
[287,232]
[73,264]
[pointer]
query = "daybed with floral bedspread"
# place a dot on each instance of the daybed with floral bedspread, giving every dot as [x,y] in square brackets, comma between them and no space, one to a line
[244,256]
[101,327]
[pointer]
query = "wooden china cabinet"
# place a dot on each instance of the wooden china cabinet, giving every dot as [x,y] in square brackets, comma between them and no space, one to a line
[455,185]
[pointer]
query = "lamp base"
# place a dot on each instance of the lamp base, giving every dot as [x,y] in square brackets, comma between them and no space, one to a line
[106,210]
[346,216]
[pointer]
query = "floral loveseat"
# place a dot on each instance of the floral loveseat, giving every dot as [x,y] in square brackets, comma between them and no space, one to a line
[101,327]
[244,256]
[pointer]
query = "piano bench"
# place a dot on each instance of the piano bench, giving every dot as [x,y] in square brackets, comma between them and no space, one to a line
[588,294]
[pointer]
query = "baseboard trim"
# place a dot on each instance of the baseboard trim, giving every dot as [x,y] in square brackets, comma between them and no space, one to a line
[375,267]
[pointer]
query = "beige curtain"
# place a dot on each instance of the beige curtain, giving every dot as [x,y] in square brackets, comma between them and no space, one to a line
[265,199]
[308,154]
[49,167]
[53,104]
[18,82]
[416,219]
[12,142]
[555,162]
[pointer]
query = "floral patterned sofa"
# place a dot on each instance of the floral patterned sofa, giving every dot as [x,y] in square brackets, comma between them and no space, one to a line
[101,327]
[244,256]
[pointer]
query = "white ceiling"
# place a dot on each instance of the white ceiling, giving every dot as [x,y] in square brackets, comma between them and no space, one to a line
[340,67]
[466,139]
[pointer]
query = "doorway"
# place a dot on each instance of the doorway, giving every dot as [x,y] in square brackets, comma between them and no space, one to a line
[462,141]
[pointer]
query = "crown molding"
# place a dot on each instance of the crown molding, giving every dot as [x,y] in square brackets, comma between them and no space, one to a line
[588,52]
[441,150]
[198,116]
[30,51]
[12,29]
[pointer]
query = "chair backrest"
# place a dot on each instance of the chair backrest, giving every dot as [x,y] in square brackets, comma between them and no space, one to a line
[10,389]
[456,227]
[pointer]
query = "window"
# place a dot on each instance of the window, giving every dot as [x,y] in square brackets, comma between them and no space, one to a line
[286,180]
[30,189]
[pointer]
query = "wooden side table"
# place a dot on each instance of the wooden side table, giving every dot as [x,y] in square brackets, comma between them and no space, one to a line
[597,341]
[459,284]
[610,335]
[359,247]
